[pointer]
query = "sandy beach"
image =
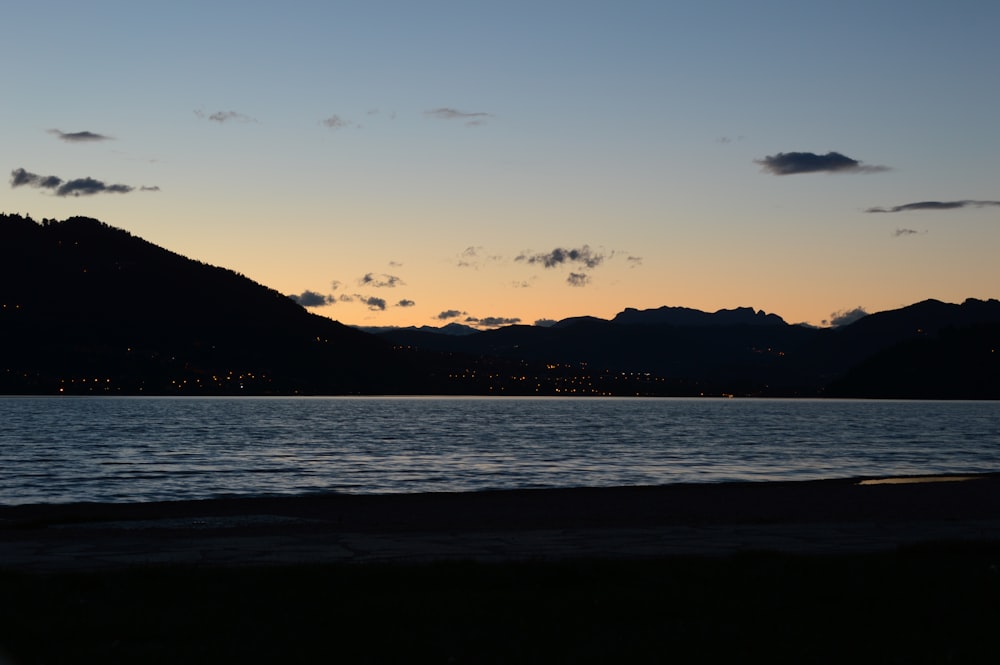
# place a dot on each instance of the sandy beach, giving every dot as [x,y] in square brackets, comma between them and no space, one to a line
[818,517]
[860,570]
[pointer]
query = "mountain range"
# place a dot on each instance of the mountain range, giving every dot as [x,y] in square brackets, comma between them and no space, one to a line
[86,308]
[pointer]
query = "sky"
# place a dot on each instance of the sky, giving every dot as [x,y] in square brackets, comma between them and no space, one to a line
[396,163]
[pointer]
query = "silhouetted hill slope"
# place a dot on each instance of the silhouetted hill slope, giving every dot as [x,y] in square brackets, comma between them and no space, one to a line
[951,363]
[82,302]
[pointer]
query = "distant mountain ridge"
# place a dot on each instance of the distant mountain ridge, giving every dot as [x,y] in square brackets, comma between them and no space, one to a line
[87,308]
[684,316]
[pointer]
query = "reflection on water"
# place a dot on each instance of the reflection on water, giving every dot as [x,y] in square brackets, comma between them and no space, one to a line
[142,449]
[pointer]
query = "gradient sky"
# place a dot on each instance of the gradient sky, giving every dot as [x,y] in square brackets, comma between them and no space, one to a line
[420,162]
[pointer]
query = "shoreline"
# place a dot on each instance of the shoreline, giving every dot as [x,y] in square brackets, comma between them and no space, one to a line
[809,517]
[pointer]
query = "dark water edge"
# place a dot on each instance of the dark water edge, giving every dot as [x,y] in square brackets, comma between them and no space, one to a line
[933,603]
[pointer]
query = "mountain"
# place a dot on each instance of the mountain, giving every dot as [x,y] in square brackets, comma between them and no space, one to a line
[743,351]
[684,316]
[85,307]
[89,309]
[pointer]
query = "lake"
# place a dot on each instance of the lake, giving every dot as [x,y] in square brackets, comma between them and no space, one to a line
[65,449]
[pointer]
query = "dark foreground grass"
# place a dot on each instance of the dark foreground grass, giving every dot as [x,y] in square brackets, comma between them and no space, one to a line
[933,604]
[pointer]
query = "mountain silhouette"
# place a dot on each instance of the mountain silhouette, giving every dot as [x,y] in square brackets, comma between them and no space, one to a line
[85,305]
[87,308]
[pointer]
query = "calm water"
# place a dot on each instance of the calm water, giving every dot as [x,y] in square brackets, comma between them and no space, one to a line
[59,449]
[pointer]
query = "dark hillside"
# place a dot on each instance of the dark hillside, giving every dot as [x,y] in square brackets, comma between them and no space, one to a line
[82,303]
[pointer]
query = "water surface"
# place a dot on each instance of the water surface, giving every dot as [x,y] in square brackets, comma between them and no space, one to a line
[60,449]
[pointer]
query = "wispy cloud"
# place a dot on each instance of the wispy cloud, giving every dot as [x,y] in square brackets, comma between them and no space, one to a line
[578,279]
[470,118]
[559,256]
[899,233]
[76,187]
[336,122]
[380,281]
[225,116]
[80,137]
[474,257]
[450,314]
[789,163]
[936,205]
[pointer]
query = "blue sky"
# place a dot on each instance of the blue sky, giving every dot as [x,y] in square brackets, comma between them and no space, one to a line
[412,163]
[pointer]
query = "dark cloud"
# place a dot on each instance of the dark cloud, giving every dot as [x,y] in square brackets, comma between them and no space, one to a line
[936,205]
[79,137]
[788,163]
[471,119]
[405,303]
[154,188]
[903,232]
[449,314]
[19,177]
[312,299]
[76,187]
[493,321]
[375,304]
[88,186]
[559,256]
[380,281]
[225,116]
[846,317]
[578,279]
[545,323]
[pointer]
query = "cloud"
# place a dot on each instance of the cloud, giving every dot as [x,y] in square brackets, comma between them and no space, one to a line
[80,137]
[375,304]
[493,321]
[312,299]
[846,317]
[559,256]
[469,257]
[19,177]
[336,122]
[225,116]
[471,119]
[578,279]
[634,260]
[154,188]
[405,303]
[936,205]
[449,314]
[903,232]
[545,323]
[380,281]
[75,187]
[788,163]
